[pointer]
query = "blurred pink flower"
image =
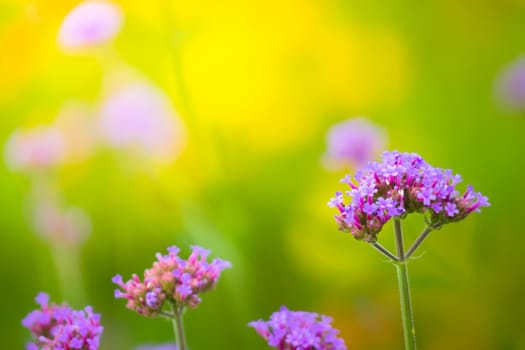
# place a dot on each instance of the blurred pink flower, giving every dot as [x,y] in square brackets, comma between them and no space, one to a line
[38,148]
[71,225]
[353,143]
[510,86]
[89,23]
[140,117]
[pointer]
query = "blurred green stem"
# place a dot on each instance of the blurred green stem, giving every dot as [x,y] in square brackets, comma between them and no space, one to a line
[404,289]
[69,274]
[173,40]
[178,327]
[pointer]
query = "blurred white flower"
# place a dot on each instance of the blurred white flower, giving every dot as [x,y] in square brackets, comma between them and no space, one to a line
[89,24]
[353,143]
[38,148]
[140,117]
[70,225]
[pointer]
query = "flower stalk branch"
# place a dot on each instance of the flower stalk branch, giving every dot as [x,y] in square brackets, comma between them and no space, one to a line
[384,251]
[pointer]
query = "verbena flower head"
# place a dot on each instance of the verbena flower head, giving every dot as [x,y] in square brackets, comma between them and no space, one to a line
[353,142]
[299,330]
[59,327]
[402,183]
[173,280]
[90,23]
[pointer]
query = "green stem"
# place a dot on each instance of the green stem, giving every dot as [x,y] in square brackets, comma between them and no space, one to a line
[406,306]
[178,327]
[399,239]
[404,290]
[173,41]
[384,251]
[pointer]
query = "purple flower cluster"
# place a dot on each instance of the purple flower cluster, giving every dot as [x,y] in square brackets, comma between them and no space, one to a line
[59,327]
[171,279]
[299,330]
[400,184]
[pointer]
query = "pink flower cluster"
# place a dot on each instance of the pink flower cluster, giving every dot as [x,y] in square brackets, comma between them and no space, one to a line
[60,327]
[39,148]
[171,279]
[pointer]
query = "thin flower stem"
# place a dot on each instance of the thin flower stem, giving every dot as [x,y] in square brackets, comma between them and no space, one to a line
[178,327]
[166,315]
[399,239]
[406,306]
[419,240]
[384,251]
[404,290]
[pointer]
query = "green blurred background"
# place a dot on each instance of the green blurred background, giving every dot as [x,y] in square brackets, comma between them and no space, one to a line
[258,84]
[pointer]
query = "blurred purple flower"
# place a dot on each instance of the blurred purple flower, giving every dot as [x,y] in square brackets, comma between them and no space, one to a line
[39,148]
[299,330]
[60,327]
[88,24]
[353,143]
[140,117]
[71,225]
[158,347]
[510,86]
[171,279]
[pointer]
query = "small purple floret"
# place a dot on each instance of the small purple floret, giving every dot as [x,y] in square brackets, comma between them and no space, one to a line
[151,299]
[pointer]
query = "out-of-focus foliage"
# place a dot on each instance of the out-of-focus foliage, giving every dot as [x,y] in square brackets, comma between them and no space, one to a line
[254,87]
